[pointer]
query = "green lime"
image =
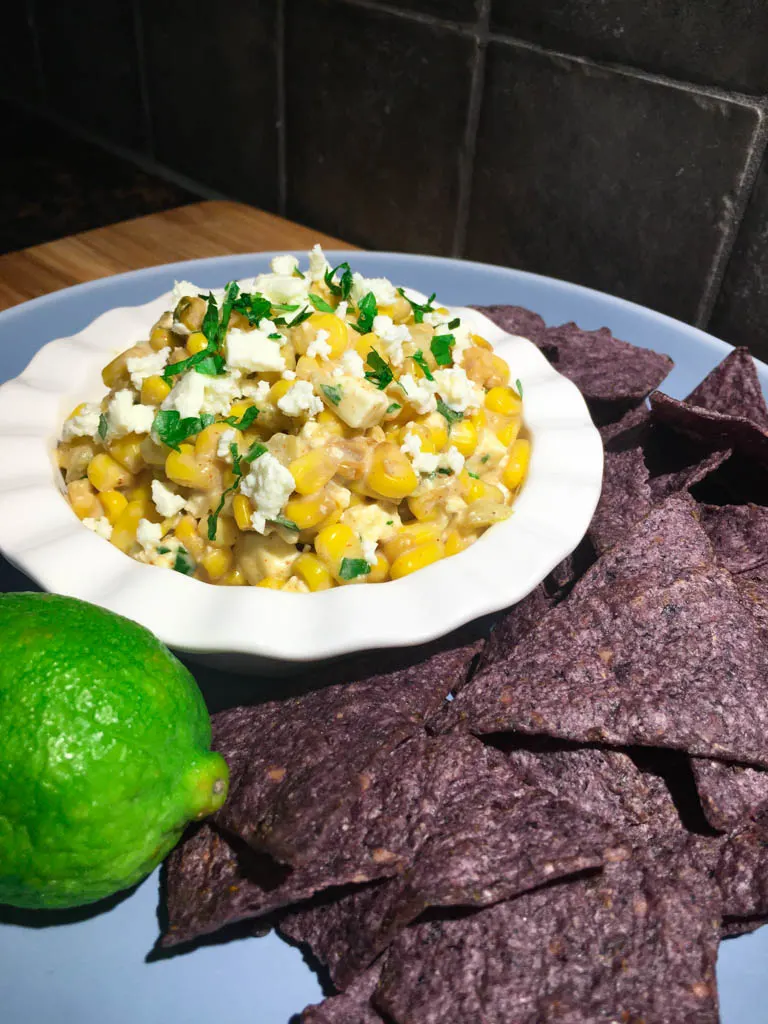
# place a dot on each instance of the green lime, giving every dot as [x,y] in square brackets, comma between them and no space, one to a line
[104,752]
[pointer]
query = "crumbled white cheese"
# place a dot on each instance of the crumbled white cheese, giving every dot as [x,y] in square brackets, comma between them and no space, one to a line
[101,526]
[187,395]
[85,422]
[369,550]
[360,404]
[284,264]
[453,460]
[372,523]
[420,394]
[457,391]
[283,288]
[341,310]
[183,290]
[320,347]
[392,335]
[253,351]
[221,392]
[124,417]
[226,438]
[318,264]
[269,485]
[141,367]
[383,290]
[489,452]
[289,375]
[423,462]
[299,399]
[167,502]
[352,364]
[148,534]
[257,392]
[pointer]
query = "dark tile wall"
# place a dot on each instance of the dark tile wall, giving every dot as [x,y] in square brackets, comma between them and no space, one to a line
[615,143]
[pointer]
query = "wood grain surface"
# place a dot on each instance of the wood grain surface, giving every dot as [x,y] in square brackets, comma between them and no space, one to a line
[215,228]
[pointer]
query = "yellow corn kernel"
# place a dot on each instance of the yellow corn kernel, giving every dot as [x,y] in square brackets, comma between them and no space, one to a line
[226,531]
[108,475]
[141,489]
[306,366]
[438,429]
[78,409]
[478,419]
[516,468]
[270,583]
[217,562]
[410,536]
[114,503]
[76,460]
[315,573]
[160,337]
[83,500]
[477,490]
[338,335]
[154,390]
[332,424]
[309,510]
[124,530]
[457,541]
[186,533]
[422,432]
[464,437]
[503,400]
[480,342]
[365,342]
[234,578]
[190,311]
[127,451]
[336,542]
[116,372]
[417,558]
[391,474]
[507,433]
[196,342]
[207,441]
[311,472]
[426,506]
[183,468]
[242,511]
[279,389]
[379,570]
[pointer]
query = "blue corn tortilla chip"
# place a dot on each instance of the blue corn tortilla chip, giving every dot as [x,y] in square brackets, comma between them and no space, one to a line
[714,429]
[739,535]
[625,498]
[733,389]
[351,1007]
[646,650]
[486,836]
[517,320]
[731,795]
[637,942]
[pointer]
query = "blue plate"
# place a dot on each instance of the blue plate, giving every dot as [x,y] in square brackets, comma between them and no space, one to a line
[91,967]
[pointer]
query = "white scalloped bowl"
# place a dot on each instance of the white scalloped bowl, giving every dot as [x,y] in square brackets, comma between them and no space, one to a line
[265,631]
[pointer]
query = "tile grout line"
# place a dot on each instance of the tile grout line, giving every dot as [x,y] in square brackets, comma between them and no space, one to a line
[282,149]
[140,160]
[465,28]
[730,233]
[146,107]
[469,143]
[42,83]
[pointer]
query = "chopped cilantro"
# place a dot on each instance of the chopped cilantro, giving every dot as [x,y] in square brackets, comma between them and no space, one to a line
[254,452]
[204,361]
[519,387]
[393,408]
[444,471]
[367,309]
[163,551]
[419,359]
[210,326]
[332,392]
[320,304]
[287,524]
[171,429]
[351,568]
[449,414]
[103,427]
[390,522]
[344,287]
[418,309]
[298,273]
[285,307]
[253,307]
[305,314]
[183,563]
[380,372]
[454,324]
[277,336]
[485,458]
[249,416]
[473,475]
[441,346]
